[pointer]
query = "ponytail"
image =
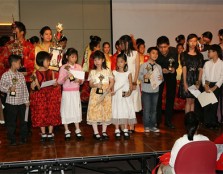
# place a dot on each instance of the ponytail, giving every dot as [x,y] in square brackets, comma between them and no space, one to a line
[191,123]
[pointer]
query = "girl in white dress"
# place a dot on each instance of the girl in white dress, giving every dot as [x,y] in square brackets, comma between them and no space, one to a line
[133,62]
[123,112]
[71,111]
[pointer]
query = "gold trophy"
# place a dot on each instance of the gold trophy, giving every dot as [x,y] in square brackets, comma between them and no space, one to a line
[71,78]
[33,78]
[100,90]
[171,60]
[148,68]
[14,81]
[56,50]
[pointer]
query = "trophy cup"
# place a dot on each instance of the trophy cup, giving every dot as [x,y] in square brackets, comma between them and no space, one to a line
[16,47]
[148,68]
[33,78]
[56,50]
[100,90]
[171,60]
[71,78]
[14,81]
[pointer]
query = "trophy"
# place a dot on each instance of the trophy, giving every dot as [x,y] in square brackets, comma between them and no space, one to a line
[16,46]
[56,50]
[171,60]
[148,68]
[71,78]
[100,90]
[33,78]
[14,81]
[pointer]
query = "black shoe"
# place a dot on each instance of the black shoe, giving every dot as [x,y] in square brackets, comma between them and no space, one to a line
[50,137]
[97,137]
[79,136]
[170,125]
[13,143]
[117,135]
[67,137]
[126,135]
[23,141]
[43,138]
[105,136]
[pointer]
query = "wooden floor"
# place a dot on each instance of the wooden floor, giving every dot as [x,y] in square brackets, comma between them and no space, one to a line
[140,144]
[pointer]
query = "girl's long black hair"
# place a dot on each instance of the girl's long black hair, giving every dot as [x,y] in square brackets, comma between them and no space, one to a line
[191,123]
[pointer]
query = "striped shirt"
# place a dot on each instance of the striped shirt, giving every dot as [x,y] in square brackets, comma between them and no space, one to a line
[22,94]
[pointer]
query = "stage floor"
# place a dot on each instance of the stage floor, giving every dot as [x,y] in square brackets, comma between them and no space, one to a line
[139,145]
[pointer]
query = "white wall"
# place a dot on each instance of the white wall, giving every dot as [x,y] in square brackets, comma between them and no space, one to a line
[149,19]
[7,9]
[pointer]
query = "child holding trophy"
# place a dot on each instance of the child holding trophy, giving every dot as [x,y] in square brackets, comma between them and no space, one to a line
[13,83]
[123,112]
[99,108]
[45,101]
[71,104]
[150,93]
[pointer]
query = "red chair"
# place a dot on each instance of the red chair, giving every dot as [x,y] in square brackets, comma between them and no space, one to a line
[198,157]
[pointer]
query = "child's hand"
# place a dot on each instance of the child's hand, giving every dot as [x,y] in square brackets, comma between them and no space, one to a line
[12,89]
[112,93]
[55,84]
[160,77]
[207,89]
[98,85]
[172,70]
[147,76]
[78,81]
[165,71]
[127,94]
[33,85]
[27,104]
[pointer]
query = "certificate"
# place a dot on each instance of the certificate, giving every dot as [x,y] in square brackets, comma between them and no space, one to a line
[78,74]
[154,78]
[193,90]
[207,98]
[48,83]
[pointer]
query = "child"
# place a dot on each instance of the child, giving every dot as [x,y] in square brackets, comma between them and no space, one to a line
[212,79]
[45,102]
[101,81]
[70,105]
[13,83]
[122,105]
[133,67]
[191,61]
[150,95]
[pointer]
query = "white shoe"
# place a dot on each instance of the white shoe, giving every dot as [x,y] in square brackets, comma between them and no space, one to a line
[146,130]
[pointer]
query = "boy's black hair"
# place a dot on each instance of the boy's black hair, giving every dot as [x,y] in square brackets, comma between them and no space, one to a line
[152,48]
[162,40]
[41,56]
[14,58]
[179,38]
[64,38]
[20,26]
[217,49]
[208,35]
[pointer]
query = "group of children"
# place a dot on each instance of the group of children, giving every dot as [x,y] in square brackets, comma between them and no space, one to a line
[110,97]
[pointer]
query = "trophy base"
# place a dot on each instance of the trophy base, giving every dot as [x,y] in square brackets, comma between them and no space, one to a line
[12,94]
[123,93]
[99,91]
[54,68]
[72,79]
[146,81]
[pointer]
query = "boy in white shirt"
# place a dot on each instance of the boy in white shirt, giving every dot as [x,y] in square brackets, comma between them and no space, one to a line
[212,80]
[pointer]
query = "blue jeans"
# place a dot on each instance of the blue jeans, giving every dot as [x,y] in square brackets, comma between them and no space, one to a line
[149,101]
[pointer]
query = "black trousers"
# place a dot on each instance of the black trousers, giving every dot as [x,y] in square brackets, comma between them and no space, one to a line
[12,112]
[170,81]
[210,111]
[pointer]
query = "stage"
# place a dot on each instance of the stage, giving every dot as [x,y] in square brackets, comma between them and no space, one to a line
[72,154]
